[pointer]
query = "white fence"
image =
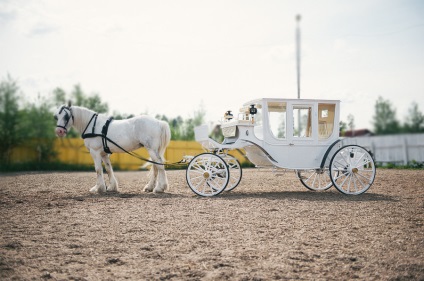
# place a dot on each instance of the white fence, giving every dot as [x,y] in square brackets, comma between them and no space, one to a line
[396,149]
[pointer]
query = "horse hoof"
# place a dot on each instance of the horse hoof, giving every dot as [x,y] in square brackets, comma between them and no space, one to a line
[160,189]
[93,189]
[147,188]
[112,189]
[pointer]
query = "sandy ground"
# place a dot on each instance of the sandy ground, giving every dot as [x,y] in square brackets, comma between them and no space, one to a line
[268,228]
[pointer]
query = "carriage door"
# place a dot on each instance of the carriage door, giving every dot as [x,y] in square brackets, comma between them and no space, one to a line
[302,121]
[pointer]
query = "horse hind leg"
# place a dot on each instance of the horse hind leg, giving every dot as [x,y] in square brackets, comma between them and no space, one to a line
[152,179]
[161,179]
[113,183]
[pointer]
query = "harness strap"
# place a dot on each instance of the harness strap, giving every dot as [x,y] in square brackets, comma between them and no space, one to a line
[104,135]
[92,135]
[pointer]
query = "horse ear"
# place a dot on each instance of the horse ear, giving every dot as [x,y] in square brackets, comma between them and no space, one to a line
[69,103]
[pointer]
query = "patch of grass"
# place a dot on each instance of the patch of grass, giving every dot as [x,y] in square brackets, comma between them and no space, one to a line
[414,165]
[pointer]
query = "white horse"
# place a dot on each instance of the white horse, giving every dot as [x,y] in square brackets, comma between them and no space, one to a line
[128,134]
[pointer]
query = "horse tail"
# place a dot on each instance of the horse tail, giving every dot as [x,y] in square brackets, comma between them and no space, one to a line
[165,138]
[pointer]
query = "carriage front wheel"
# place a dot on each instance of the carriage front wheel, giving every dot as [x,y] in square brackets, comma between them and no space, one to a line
[352,170]
[207,174]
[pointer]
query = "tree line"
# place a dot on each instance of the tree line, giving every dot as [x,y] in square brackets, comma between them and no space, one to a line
[385,121]
[21,120]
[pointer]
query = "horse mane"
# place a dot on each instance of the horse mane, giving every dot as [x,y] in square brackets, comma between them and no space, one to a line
[82,116]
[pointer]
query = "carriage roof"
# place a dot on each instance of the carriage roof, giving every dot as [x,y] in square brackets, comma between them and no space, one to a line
[256,101]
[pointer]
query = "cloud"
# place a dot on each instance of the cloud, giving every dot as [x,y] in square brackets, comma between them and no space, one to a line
[41,28]
[7,13]
[343,47]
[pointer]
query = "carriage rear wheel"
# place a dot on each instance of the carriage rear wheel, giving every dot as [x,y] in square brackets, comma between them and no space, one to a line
[315,179]
[352,170]
[235,171]
[207,174]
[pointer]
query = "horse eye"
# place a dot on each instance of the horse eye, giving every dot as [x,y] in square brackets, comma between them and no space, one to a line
[67,117]
[55,117]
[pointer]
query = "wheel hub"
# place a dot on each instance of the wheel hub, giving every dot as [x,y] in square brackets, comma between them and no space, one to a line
[206,175]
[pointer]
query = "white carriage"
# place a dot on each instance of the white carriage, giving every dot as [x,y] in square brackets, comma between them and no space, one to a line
[296,134]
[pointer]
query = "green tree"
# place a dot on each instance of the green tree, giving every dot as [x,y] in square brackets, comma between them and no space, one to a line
[38,127]
[78,97]
[191,123]
[175,125]
[415,120]
[342,128]
[184,129]
[10,117]
[384,120]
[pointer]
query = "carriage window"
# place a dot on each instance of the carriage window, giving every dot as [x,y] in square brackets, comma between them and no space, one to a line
[277,119]
[302,116]
[325,120]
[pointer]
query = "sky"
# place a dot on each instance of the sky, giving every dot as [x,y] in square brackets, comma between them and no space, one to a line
[175,57]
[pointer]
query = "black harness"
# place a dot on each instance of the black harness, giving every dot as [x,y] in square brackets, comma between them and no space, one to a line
[103,135]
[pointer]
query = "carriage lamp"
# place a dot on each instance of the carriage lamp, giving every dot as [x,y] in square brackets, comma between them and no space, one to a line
[228,115]
[253,110]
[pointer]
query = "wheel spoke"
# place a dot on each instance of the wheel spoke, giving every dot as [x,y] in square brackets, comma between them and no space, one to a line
[313,182]
[315,179]
[359,174]
[364,186]
[343,182]
[200,183]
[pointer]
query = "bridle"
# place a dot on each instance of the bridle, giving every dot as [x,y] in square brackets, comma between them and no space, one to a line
[68,116]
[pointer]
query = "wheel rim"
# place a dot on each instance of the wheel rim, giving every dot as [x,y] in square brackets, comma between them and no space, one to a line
[207,174]
[315,179]
[356,170]
[235,172]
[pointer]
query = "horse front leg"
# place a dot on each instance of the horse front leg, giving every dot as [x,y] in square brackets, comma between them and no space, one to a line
[100,187]
[113,183]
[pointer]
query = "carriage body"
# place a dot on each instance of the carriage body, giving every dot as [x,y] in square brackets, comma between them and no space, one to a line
[297,134]
[286,133]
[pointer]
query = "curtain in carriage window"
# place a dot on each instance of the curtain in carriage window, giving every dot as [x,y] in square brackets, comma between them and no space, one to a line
[325,120]
[302,121]
[277,119]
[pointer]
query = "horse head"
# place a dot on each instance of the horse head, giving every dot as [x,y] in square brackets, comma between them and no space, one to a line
[64,118]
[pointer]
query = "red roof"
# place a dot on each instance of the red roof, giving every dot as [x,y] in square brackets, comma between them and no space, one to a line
[357,133]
